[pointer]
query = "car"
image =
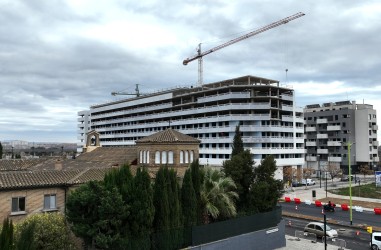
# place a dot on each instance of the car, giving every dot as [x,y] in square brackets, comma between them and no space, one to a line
[296,184]
[346,178]
[375,241]
[318,229]
[308,182]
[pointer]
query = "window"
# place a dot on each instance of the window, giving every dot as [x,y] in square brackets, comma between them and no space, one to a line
[50,202]
[170,157]
[157,157]
[164,157]
[147,157]
[181,157]
[191,155]
[18,204]
[186,157]
[140,157]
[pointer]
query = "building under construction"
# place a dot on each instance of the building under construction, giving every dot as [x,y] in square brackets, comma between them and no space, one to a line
[265,111]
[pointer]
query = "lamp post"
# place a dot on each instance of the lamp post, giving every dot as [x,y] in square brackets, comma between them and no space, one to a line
[349,144]
[318,159]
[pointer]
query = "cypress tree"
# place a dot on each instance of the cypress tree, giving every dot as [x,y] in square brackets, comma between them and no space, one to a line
[188,201]
[1,151]
[237,146]
[6,236]
[197,178]
[161,220]
[142,211]
[175,210]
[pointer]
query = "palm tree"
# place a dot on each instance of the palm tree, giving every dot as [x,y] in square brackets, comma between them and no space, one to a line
[217,195]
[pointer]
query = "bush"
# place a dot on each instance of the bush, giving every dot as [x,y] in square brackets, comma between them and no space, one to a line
[48,231]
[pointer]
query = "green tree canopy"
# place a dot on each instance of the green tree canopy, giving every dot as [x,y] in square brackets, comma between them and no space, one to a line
[217,195]
[265,191]
[237,146]
[96,214]
[38,230]
[6,235]
[240,169]
[188,200]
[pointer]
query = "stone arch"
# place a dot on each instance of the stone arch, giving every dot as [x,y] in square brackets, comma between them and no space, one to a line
[92,139]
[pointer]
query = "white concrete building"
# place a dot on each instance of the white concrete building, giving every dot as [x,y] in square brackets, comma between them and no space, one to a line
[269,121]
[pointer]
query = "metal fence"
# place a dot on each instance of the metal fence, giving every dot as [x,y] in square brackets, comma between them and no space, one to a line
[237,226]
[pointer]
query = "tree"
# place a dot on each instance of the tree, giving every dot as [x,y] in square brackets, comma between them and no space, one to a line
[333,170]
[1,151]
[96,214]
[175,213]
[237,146]
[25,239]
[6,235]
[188,200]
[38,230]
[265,191]
[217,196]
[240,169]
[197,177]
[365,170]
[142,210]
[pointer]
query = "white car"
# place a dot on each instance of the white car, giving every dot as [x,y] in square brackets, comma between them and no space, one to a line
[375,242]
[308,182]
[318,229]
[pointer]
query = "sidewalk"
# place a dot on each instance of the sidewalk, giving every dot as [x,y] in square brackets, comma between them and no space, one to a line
[292,243]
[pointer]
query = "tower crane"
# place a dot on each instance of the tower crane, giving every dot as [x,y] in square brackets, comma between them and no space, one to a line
[137,92]
[200,54]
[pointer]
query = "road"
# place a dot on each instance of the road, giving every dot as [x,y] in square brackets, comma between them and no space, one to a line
[364,218]
[352,240]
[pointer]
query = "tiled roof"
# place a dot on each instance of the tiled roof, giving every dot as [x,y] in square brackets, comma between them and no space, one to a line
[168,136]
[19,164]
[22,179]
[54,178]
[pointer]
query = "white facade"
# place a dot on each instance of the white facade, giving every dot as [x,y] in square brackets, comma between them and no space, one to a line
[269,121]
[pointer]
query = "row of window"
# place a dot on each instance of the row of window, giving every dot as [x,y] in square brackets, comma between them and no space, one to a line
[18,203]
[166,157]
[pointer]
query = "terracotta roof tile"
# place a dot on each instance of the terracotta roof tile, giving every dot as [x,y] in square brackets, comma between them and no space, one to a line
[168,136]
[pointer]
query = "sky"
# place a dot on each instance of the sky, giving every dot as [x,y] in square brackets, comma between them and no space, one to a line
[59,57]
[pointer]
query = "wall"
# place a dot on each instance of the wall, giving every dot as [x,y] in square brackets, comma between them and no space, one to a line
[271,238]
[34,201]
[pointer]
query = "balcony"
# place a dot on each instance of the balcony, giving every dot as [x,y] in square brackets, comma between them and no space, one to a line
[311,158]
[321,121]
[334,159]
[333,143]
[375,127]
[375,143]
[322,151]
[311,144]
[376,159]
[333,127]
[310,129]
[287,97]
[322,136]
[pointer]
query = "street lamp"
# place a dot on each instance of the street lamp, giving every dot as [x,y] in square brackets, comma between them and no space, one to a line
[349,144]
[318,159]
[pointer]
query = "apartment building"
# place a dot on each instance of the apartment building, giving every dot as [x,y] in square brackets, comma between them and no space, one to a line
[331,127]
[265,111]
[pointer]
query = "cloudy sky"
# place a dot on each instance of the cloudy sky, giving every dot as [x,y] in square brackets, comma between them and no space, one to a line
[58,57]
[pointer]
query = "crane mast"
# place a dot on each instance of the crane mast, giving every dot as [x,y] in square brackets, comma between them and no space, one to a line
[200,54]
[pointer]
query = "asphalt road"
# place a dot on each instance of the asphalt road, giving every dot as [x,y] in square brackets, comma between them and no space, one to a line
[353,238]
[342,217]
